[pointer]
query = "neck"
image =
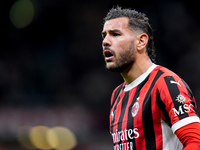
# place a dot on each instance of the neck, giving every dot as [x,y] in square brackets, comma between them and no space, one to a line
[135,70]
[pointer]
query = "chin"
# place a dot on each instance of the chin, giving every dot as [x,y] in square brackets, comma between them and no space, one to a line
[117,67]
[113,68]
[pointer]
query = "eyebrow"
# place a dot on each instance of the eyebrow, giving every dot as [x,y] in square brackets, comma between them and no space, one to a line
[110,31]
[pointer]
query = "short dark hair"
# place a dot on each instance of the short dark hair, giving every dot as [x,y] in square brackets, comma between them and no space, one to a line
[137,21]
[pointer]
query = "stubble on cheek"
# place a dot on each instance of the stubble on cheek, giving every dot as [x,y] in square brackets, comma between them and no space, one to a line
[123,59]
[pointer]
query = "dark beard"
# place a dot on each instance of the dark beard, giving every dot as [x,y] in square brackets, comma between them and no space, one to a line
[125,59]
[119,68]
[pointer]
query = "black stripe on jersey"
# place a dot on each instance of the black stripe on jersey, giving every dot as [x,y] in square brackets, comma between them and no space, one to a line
[148,121]
[124,105]
[116,94]
[123,108]
[188,89]
[190,94]
[174,93]
[162,107]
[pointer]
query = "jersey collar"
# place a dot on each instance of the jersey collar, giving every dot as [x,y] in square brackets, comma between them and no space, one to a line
[139,79]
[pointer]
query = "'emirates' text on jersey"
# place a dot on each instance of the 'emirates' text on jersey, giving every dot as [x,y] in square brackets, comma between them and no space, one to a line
[146,115]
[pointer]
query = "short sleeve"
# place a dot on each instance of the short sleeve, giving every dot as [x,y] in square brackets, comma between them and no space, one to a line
[176,102]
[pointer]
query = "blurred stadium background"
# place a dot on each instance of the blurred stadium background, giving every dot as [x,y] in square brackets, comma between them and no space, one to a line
[54,90]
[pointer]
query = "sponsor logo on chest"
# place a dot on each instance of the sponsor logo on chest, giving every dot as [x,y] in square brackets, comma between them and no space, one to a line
[121,138]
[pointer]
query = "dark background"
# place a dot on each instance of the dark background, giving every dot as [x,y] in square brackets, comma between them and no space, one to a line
[52,72]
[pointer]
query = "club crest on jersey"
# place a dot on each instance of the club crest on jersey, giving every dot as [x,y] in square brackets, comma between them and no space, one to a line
[135,108]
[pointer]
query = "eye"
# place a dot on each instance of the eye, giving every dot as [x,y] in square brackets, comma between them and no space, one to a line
[116,34]
[103,36]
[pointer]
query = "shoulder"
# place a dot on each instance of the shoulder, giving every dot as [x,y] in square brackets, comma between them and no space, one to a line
[166,76]
[165,71]
[116,92]
[118,89]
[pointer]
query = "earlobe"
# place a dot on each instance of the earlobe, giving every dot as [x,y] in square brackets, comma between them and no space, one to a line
[142,41]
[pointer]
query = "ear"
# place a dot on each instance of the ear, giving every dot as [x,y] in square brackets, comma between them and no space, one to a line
[142,41]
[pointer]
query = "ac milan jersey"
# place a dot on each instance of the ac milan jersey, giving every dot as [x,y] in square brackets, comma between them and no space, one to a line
[146,113]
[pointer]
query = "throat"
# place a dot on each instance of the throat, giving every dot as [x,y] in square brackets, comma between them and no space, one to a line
[133,72]
[139,79]
[127,75]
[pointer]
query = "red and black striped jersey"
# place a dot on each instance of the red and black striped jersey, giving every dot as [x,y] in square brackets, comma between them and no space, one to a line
[146,113]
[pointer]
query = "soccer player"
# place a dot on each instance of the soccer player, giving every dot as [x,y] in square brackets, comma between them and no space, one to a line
[154,108]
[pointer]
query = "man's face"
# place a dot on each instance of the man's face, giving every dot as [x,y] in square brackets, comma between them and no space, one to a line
[118,44]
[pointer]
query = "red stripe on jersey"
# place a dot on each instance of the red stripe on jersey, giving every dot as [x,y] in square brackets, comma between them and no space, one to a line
[115,94]
[114,100]
[157,120]
[117,111]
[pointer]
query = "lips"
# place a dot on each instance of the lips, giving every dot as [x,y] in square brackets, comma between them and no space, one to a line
[108,55]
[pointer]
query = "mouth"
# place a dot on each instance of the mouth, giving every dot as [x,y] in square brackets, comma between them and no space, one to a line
[108,55]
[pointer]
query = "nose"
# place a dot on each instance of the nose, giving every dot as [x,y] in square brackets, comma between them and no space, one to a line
[106,41]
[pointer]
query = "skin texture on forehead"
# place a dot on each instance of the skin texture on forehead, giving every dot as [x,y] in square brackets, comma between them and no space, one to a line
[119,24]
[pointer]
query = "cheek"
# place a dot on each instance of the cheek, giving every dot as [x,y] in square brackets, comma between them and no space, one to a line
[126,45]
[121,45]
